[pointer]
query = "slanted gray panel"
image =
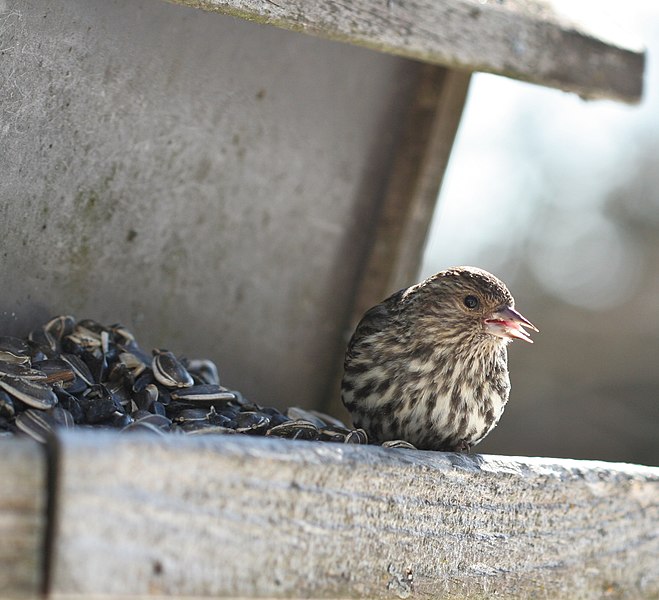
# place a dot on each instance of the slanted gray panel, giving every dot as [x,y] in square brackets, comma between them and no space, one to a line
[523,39]
[251,517]
[206,181]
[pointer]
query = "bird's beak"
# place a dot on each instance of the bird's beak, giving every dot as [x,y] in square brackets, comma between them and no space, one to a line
[508,323]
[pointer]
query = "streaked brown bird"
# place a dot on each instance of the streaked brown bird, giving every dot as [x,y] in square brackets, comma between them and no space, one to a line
[429,364]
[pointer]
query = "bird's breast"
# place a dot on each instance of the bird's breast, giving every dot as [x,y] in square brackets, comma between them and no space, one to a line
[460,402]
[435,400]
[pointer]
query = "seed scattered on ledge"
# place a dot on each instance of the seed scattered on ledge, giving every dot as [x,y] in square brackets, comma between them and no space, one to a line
[68,373]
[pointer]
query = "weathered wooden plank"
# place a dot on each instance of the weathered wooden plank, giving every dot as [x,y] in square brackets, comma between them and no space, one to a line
[254,517]
[413,186]
[400,226]
[22,517]
[521,39]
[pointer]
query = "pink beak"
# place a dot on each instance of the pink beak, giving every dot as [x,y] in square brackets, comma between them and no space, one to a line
[508,323]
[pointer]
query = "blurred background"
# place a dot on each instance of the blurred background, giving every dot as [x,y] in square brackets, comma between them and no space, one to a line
[560,198]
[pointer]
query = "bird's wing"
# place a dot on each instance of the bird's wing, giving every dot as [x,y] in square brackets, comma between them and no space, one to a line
[375,319]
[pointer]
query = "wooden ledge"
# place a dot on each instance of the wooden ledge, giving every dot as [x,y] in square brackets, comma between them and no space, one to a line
[254,517]
[23,498]
[521,39]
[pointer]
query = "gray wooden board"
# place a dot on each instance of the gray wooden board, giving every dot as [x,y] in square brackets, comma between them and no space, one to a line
[22,517]
[254,517]
[522,39]
[404,214]
[412,188]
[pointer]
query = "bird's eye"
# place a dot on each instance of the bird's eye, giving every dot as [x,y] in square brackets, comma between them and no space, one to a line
[471,302]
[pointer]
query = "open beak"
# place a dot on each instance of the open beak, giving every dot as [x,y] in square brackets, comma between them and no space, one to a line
[508,323]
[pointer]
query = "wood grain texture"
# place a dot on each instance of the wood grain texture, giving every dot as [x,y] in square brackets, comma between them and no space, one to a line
[412,189]
[520,39]
[403,217]
[22,517]
[254,517]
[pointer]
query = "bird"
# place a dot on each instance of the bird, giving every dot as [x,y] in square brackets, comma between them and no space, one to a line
[429,364]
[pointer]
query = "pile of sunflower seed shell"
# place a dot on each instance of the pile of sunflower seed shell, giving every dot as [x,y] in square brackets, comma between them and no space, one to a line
[71,373]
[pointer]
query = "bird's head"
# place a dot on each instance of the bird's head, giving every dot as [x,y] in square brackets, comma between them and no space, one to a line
[473,302]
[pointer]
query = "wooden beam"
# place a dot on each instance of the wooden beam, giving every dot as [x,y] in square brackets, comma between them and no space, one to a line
[253,517]
[413,186]
[403,217]
[525,40]
[22,518]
